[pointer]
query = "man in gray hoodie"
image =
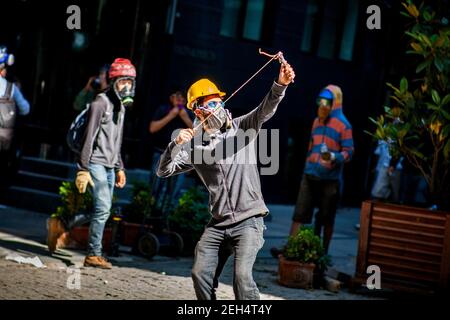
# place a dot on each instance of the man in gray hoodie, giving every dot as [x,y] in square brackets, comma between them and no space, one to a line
[99,162]
[236,203]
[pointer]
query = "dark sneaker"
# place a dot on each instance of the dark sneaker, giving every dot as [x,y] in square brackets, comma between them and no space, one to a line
[275,252]
[97,262]
[55,228]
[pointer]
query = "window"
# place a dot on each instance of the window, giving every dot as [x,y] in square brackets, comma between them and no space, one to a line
[230,18]
[311,25]
[243,19]
[253,20]
[330,28]
[348,36]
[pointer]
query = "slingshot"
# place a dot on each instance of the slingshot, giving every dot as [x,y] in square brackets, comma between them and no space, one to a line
[279,56]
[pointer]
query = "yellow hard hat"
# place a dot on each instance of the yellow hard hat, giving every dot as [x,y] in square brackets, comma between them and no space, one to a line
[201,88]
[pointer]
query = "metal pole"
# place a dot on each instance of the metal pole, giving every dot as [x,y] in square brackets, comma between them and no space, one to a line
[171,16]
[136,19]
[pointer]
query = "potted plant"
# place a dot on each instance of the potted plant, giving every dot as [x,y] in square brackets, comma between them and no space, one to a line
[303,260]
[190,216]
[73,203]
[412,245]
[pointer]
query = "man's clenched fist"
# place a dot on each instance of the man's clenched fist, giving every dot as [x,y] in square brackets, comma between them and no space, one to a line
[184,136]
[286,75]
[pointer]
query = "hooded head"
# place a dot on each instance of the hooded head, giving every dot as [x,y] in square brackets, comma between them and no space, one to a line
[328,100]
[6,59]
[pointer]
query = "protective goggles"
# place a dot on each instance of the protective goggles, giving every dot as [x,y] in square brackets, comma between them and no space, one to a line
[321,102]
[210,106]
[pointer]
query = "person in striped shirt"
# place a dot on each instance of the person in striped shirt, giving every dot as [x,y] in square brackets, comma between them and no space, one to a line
[330,147]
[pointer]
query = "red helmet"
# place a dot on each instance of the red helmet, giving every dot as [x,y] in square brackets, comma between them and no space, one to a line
[122,68]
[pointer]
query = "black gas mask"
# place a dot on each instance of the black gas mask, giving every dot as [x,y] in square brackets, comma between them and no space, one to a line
[126,93]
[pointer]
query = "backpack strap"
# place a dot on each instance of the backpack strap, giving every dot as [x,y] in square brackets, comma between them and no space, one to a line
[8,91]
[109,105]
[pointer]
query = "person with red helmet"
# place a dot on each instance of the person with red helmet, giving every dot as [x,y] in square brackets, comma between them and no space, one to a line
[99,161]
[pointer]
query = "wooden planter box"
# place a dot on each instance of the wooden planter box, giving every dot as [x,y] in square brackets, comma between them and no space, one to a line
[410,245]
[295,274]
[81,234]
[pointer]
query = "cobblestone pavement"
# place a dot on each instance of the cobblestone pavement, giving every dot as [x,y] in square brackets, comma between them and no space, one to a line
[132,277]
[147,282]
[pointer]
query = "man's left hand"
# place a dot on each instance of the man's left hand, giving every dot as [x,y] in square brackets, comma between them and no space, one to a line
[286,75]
[121,179]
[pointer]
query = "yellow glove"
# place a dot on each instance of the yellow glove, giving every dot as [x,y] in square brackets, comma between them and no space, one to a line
[82,180]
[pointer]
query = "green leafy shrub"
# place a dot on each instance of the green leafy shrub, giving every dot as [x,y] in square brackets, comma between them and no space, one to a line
[306,247]
[73,202]
[417,124]
[191,214]
[142,203]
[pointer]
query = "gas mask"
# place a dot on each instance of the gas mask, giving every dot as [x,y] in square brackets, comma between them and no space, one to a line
[217,117]
[126,94]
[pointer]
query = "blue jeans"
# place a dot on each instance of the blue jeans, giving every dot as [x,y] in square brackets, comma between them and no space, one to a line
[104,179]
[244,239]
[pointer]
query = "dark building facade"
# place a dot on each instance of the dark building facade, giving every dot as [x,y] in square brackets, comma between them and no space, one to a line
[175,42]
